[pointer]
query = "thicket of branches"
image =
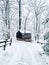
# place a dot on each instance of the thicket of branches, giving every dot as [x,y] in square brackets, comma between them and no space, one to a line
[10,14]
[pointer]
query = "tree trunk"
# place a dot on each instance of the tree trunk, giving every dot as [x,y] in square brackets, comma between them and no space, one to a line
[37,30]
[19,14]
[7,19]
[26,22]
[25,27]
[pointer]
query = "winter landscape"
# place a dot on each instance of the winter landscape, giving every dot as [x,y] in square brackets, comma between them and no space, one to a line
[24,32]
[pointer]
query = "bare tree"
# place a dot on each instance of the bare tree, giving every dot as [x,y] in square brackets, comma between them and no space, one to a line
[5,17]
[19,2]
[2,3]
[46,18]
[26,21]
[38,6]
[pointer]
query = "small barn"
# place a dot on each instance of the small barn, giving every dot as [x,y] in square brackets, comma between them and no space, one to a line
[23,36]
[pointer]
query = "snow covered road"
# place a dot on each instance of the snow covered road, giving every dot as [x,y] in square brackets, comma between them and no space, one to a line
[27,54]
[23,53]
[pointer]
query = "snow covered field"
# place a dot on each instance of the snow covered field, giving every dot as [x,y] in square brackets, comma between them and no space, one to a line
[23,53]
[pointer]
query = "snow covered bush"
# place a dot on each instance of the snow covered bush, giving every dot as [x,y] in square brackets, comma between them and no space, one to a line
[46,46]
[46,36]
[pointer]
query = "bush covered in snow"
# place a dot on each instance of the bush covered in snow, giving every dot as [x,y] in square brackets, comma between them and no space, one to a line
[46,36]
[46,46]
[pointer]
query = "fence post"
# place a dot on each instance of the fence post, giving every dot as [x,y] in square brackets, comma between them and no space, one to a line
[4,46]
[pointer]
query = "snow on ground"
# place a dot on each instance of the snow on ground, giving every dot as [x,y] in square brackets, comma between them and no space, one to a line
[22,53]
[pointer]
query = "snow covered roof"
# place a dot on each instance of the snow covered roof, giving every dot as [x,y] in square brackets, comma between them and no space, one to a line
[24,31]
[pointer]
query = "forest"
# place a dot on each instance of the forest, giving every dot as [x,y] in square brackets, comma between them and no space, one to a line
[24,32]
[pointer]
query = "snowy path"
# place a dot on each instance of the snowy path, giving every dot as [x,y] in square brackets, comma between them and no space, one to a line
[27,54]
[22,53]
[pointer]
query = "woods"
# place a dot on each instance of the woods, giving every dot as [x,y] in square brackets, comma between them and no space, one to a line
[37,7]
[24,32]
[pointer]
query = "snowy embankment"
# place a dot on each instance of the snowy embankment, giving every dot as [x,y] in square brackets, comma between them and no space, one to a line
[22,53]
